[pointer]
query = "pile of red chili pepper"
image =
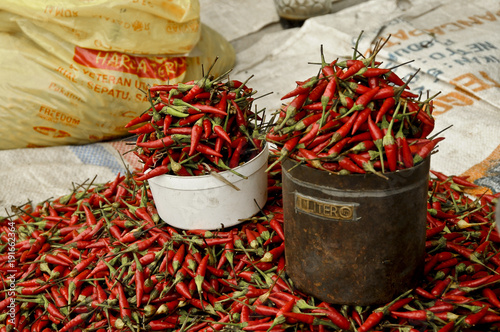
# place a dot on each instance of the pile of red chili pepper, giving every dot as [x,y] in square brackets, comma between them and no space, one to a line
[100,259]
[354,117]
[196,127]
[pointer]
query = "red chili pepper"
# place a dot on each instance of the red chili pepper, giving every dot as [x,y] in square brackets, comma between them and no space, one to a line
[220,132]
[355,66]
[320,143]
[337,148]
[441,306]
[490,318]
[376,316]
[200,272]
[430,232]
[207,150]
[222,104]
[291,110]
[390,146]
[189,120]
[79,319]
[336,317]
[361,119]
[183,289]
[194,90]
[142,244]
[286,150]
[420,114]
[363,100]
[51,259]
[386,106]
[270,136]
[491,296]
[178,257]
[374,72]
[440,286]
[421,315]
[159,325]
[426,150]
[266,311]
[376,133]
[317,92]
[474,318]
[424,293]
[78,268]
[304,123]
[37,245]
[159,143]
[302,88]
[346,163]
[162,87]
[344,130]
[479,282]
[356,88]
[276,226]
[310,157]
[458,180]
[143,118]
[406,155]
[206,109]
[147,128]
[234,161]
[392,77]
[328,94]
[448,327]
[125,311]
[251,238]
[196,133]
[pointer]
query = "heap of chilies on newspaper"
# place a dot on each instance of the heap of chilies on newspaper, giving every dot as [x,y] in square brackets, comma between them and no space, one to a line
[101,259]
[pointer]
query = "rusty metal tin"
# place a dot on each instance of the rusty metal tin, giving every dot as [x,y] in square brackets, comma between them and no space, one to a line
[354,239]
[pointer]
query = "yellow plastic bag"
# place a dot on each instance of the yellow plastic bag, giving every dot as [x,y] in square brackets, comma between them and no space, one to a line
[55,90]
[129,26]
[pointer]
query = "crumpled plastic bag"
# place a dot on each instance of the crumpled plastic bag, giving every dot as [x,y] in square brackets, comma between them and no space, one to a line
[76,72]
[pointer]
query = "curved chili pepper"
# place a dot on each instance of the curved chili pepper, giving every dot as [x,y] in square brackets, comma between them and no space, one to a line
[196,133]
[207,109]
[290,110]
[311,134]
[143,118]
[303,123]
[234,161]
[374,72]
[159,143]
[361,118]
[311,158]
[303,88]
[147,128]
[474,318]
[354,66]
[317,92]
[347,164]
[190,119]
[402,143]
[390,146]
[386,106]
[344,130]
[335,150]
[426,150]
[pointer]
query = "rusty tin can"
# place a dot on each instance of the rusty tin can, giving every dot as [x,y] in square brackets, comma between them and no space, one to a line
[354,239]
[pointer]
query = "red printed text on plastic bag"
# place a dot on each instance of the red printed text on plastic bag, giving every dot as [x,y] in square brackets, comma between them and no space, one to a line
[163,68]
